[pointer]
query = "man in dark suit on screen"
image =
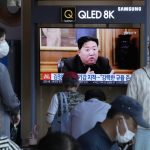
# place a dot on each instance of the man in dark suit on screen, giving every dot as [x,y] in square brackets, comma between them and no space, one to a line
[87,59]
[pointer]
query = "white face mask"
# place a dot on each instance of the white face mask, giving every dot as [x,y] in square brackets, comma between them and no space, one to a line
[4,48]
[127,136]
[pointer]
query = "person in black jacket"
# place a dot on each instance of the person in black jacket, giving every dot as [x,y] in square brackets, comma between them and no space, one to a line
[119,126]
[87,59]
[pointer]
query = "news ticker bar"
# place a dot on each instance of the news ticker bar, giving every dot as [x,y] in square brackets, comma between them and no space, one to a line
[88,77]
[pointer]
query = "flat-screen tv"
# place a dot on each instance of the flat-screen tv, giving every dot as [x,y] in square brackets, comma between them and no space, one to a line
[121,46]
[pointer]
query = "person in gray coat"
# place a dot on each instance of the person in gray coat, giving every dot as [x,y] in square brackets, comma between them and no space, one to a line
[9,103]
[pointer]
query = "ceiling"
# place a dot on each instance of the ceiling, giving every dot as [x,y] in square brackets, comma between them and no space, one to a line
[90,2]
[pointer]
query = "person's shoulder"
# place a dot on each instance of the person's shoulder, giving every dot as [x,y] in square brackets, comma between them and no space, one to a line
[139,71]
[77,110]
[71,62]
[138,75]
[80,105]
[77,95]
[92,137]
[70,59]
[93,132]
[54,96]
[80,95]
[102,60]
[5,143]
[103,103]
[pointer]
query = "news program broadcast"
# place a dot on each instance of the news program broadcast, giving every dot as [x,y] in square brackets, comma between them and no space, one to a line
[100,56]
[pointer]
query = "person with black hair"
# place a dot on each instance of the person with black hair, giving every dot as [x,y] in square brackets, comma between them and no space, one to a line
[119,126]
[87,59]
[84,116]
[63,102]
[9,102]
[58,141]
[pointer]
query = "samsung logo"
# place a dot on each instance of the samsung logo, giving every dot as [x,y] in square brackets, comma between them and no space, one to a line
[129,8]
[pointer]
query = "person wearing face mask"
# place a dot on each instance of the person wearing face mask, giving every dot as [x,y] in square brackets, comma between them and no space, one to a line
[9,102]
[87,59]
[4,47]
[119,126]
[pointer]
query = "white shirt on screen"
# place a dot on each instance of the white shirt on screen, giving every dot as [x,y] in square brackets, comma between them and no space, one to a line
[85,115]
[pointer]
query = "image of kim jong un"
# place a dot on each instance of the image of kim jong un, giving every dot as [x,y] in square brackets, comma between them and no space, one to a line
[87,59]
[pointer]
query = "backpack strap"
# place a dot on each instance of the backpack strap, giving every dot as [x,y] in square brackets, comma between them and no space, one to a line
[63,118]
[65,102]
[62,110]
[146,72]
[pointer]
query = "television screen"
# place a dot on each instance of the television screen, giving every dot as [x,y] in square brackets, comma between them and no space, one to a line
[119,48]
